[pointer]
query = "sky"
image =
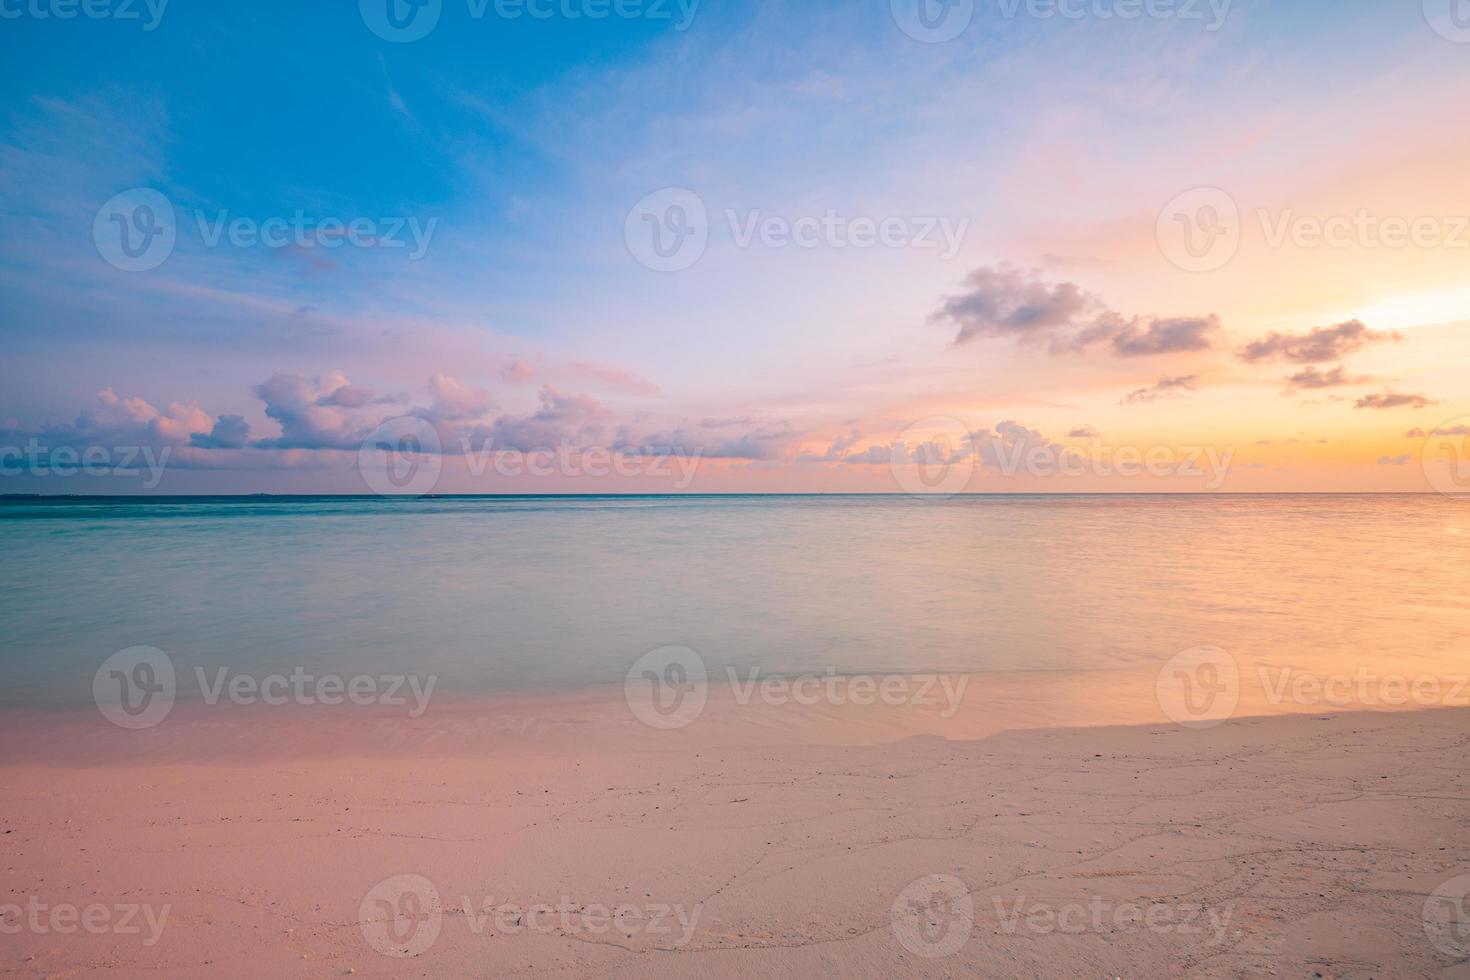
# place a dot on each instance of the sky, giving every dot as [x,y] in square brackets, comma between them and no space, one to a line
[653,245]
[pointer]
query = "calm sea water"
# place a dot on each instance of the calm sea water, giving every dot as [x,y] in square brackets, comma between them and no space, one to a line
[528,594]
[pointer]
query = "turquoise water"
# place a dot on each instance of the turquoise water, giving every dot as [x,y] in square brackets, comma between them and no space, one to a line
[534,593]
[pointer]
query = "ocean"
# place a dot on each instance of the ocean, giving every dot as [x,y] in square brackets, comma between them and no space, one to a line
[523,595]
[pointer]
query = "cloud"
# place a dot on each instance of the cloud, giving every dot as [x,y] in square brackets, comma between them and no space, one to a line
[1144,337]
[721,439]
[1451,430]
[348,396]
[305,411]
[1394,399]
[454,401]
[1338,377]
[1394,460]
[229,432]
[615,378]
[563,419]
[1084,432]
[1166,388]
[1010,442]
[132,420]
[517,371]
[1009,303]
[1321,344]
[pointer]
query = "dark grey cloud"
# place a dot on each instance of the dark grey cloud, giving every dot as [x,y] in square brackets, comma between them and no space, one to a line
[1318,345]
[1146,336]
[229,432]
[1009,303]
[1314,377]
[1395,399]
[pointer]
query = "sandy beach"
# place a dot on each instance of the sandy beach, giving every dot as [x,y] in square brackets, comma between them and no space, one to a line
[1311,845]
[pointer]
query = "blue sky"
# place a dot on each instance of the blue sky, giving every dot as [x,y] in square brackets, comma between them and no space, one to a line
[523,143]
